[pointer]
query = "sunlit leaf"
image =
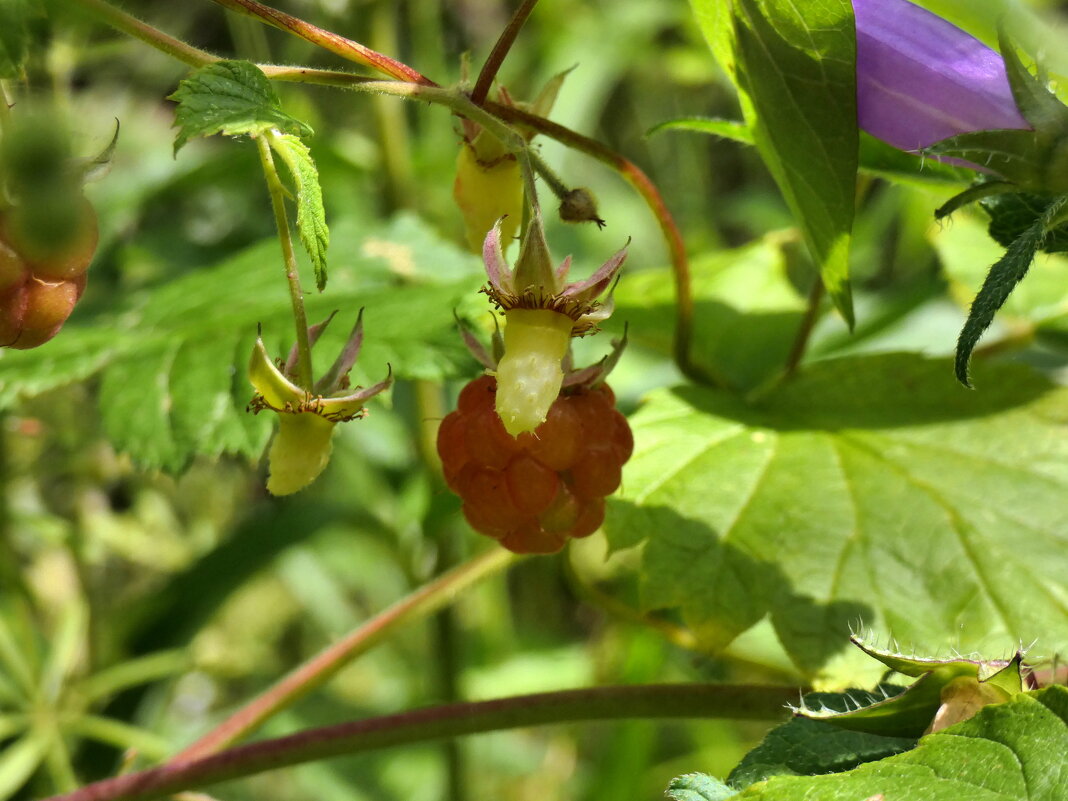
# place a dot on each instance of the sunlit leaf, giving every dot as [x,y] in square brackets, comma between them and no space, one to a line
[870,491]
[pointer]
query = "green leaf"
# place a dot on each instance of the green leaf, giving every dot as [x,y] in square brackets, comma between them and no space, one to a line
[1031,159]
[173,362]
[19,760]
[795,69]
[964,250]
[805,747]
[724,129]
[875,157]
[15,38]
[1036,102]
[1003,277]
[869,491]
[946,691]
[698,787]
[1007,751]
[1012,214]
[311,216]
[232,98]
[748,307]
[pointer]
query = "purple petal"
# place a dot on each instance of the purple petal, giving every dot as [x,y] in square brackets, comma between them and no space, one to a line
[921,79]
[497,269]
[599,281]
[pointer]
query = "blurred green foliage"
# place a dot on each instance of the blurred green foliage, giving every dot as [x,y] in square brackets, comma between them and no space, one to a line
[205,590]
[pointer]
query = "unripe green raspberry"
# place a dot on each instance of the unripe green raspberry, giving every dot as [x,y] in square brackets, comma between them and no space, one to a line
[530,373]
[486,191]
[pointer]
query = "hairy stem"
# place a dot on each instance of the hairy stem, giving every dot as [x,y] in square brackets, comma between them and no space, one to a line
[289,258]
[746,702]
[317,671]
[500,51]
[339,45]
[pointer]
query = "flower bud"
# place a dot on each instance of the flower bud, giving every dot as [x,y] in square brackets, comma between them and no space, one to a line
[578,206]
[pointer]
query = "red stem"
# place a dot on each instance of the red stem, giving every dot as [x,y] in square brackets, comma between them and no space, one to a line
[500,51]
[750,702]
[346,48]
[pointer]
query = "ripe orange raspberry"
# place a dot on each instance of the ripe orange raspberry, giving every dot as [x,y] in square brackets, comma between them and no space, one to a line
[535,491]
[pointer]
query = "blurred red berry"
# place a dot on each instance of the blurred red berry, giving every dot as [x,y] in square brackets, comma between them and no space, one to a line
[40,283]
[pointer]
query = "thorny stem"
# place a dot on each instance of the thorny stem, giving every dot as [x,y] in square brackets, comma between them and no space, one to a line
[339,45]
[500,51]
[298,683]
[657,701]
[285,238]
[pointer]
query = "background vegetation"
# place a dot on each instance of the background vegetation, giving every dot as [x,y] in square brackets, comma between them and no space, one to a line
[149,585]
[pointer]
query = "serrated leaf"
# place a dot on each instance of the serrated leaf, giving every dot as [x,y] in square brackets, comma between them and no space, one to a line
[698,787]
[232,98]
[173,361]
[947,690]
[869,491]
[1003,277]
[311,216]
[1013,213]
[965,251]
[805,747]
[795,68]
[1007,751]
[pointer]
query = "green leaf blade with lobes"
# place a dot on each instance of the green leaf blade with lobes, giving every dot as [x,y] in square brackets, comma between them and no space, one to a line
[231,98]
[870,492]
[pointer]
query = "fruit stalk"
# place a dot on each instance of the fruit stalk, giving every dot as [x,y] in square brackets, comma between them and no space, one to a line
[285,239]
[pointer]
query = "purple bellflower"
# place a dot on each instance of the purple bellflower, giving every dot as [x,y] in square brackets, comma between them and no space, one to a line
[920,79]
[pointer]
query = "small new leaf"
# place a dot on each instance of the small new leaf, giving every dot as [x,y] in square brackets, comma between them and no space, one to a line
[1003,277]
[232,98]
[311,216]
